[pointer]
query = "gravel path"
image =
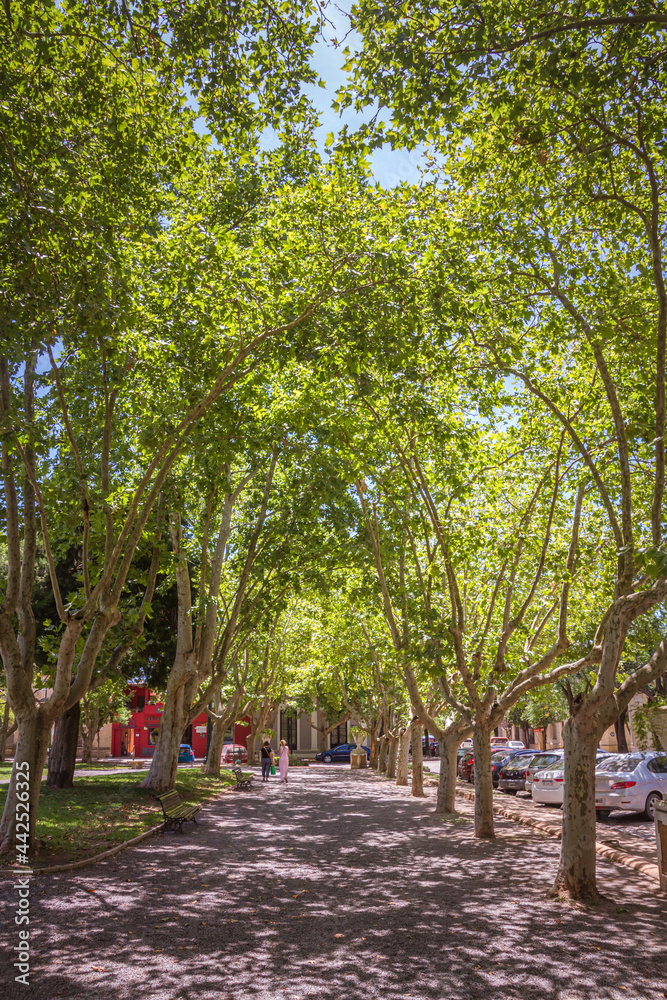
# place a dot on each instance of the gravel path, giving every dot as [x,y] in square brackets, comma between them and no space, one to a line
[339,886]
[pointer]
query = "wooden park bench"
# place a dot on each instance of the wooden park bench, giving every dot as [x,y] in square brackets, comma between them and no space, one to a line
[176,811]
[243,781]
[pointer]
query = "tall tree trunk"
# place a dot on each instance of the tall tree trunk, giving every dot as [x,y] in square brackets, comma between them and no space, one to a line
[382,755]
[251,744]
[619,729]
[64,744]
[215,747]
[402,758]
[88,736]
[576,871]
[31,748]
[446,800]
[5,732]
[392,753]
[374,748]
[164,765]
[481,738]
[417,759]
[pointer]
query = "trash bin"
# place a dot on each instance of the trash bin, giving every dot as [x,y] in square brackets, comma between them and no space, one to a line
[661,838]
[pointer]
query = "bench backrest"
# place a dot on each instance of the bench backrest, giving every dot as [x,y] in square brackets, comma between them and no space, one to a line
[239,773]
[170,800]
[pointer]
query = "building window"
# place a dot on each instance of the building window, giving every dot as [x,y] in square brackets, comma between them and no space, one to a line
[288,728]
[339,735]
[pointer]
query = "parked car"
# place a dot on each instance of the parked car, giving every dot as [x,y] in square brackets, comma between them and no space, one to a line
[506,758]
[512,775]
[339,753]
[433,745]
[466,745]
[233,752]
[185,754]
[498,741]
[467,767]
[516,744]
[538,763]
[548,783]
[633,782]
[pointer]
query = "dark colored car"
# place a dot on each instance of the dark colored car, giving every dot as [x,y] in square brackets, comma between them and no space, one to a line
[511,775]
[341,753]
[498,758]
[433,745]
[185,754]
[462,763]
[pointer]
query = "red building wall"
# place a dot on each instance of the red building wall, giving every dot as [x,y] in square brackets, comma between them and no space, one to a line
[144,726]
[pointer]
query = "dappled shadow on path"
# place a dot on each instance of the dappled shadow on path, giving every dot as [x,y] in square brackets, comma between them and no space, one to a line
[339,885]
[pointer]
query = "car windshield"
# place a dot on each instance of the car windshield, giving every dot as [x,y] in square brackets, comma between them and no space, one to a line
[555,765]
[620,765]
[543,760]
[499,754]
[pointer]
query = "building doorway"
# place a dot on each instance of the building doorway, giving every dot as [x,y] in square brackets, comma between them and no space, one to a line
[187,735]
[288,728]
[127,741]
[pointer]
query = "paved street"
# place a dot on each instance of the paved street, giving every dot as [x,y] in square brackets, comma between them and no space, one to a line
[339,886]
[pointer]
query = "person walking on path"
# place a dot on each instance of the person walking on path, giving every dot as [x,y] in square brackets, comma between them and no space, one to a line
[283,761]
[267,760]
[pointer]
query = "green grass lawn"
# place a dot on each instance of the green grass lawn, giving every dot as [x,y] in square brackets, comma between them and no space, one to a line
[102,811]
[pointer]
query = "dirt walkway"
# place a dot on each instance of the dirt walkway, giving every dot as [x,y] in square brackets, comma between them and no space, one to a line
[339,886]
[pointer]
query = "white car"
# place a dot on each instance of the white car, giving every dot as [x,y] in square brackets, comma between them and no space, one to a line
[539,763]
[516,744]
[631,781]
[547,785]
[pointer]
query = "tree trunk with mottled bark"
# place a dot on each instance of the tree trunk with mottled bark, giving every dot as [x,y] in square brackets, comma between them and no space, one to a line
[417,760]
[64,744]
[402,757]
[481,738]
[446,799]
[392,753]
[382,755]
[576,870]
[619,729]
[29,759]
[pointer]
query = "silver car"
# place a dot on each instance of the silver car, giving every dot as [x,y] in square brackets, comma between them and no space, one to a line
[538,763]
[631,781]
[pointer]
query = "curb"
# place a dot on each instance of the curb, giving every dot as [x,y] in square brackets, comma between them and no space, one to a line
[610,853]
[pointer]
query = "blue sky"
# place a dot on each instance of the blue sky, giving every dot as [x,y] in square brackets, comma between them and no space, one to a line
[389,166]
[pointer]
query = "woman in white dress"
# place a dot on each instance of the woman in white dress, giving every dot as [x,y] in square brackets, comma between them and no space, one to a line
[283,761]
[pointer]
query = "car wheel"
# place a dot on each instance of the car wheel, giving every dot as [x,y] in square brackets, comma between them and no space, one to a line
[602,814]
[327,758]
[649,808]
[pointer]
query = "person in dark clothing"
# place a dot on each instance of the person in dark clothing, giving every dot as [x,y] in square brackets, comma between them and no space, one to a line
[267,760]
